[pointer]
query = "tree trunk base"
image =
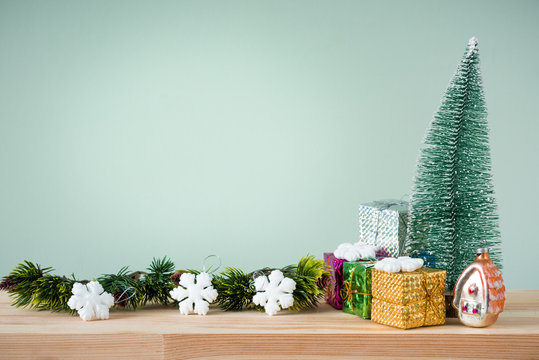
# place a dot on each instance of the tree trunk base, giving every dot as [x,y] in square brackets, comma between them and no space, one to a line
[450,311]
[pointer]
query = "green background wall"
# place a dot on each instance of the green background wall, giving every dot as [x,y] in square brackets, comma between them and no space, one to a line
[250,129]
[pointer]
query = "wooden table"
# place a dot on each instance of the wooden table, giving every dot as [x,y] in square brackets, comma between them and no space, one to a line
[162,333]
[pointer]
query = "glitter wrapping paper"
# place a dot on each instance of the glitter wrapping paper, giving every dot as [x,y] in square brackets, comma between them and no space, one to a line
[384,223]
[356,292]
[333,289]
[408,299]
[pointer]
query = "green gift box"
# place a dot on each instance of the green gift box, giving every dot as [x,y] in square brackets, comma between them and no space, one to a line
[356,292]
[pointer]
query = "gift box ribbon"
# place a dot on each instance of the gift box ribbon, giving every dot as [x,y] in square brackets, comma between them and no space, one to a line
[429,298]
[384,205]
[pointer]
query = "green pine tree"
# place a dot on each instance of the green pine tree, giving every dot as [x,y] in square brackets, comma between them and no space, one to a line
[452,207]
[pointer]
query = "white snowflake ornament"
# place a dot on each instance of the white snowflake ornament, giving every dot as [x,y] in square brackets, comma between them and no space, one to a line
[194,293]
[90,301]
[274,291]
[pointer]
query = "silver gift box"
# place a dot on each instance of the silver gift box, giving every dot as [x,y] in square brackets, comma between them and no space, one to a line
[384,223]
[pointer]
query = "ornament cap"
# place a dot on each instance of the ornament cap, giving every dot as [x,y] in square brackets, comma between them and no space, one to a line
[482,251]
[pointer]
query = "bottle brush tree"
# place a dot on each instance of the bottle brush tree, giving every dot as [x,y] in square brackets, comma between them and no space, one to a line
[452,207]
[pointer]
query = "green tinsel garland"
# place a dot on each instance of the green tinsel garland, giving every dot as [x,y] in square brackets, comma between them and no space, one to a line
[236,290]
[34,287]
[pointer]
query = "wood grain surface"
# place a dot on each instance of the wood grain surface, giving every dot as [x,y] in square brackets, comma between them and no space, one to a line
[162,333]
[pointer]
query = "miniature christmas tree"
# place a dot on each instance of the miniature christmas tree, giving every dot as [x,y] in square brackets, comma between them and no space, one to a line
[452,207]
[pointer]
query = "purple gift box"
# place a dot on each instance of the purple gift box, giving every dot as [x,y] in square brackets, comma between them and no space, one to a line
[333,290]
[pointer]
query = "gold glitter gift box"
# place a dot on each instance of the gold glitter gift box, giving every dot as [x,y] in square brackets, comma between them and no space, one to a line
[408,299]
